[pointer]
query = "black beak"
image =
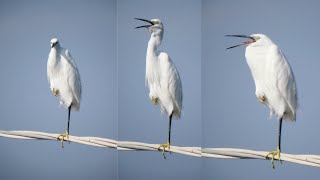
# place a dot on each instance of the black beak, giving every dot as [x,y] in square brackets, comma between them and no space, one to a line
[244,43]
[144,26]
[53,44]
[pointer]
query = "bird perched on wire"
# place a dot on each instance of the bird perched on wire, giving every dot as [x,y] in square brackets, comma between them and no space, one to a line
[162,77]
[64,80]
[274,80]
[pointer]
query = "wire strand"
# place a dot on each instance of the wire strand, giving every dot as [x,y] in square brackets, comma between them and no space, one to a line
[221,153]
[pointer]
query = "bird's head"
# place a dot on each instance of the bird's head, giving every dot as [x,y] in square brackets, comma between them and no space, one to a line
[155,26]
[54,42]
[253,40]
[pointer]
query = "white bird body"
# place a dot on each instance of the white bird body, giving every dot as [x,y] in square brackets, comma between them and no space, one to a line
[273,77]
[63,75]
[162,78]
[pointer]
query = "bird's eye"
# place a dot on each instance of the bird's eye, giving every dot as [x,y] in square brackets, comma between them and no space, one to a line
[257,38]
[155,22]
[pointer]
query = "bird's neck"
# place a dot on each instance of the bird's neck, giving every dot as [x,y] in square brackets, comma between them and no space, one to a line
[54,54]
[153,44]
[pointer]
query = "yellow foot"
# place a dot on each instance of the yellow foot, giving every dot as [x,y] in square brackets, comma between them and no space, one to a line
[154,100]
[62,136]
[164,146]
[273,154]
[55,91]
[262,99]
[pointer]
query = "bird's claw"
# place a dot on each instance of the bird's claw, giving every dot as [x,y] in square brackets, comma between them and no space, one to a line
[164,146]
[154,100]
[273,154]
[62,136]
[55,91]
[262,99]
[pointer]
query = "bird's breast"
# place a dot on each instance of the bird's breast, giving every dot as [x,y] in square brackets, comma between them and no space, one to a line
[152,71]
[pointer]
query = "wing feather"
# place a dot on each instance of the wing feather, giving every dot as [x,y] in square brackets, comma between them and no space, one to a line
[73,80]
[170,81]
[285,83]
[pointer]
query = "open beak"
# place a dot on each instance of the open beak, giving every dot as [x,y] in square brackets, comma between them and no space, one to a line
[144,26]
[252,40]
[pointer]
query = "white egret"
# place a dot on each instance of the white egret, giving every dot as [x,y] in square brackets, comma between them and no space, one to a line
[64,79]
[274,80]
[162,77]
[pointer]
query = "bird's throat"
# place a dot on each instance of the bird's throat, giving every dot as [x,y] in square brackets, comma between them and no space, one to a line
[153,44]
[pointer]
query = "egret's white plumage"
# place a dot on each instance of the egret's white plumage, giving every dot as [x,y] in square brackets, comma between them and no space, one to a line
[162,77]
[63,75]
[64,79]
[274,79]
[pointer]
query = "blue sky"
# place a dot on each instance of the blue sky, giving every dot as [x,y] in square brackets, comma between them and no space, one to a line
[139,119]
[220,107]
[88,30]
[233,117]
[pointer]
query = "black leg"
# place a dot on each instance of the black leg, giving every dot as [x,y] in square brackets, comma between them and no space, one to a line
[279,137]
[167,145]
[170,120]
[69,109]
[277,152]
